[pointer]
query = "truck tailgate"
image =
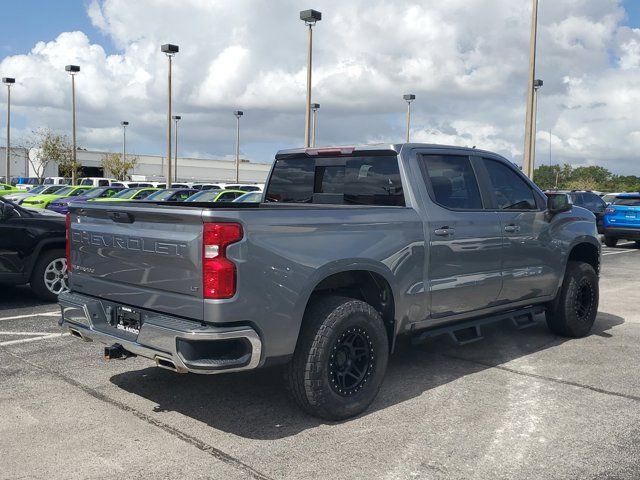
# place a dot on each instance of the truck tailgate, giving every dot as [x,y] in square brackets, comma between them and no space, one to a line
[145,256]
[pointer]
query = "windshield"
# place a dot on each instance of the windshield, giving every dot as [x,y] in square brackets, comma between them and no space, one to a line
[628,201]
[161,195]
[37,189]
[92,192]
[53,189]
[65,191]
[126,193]
[249,197]
[206,196]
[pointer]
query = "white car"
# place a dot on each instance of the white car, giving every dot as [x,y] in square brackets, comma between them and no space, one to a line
[610,197]
[100,182]
[57,181]
[19,197]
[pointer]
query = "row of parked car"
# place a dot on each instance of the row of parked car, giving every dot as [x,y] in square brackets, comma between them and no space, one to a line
[58,197]
[617,214]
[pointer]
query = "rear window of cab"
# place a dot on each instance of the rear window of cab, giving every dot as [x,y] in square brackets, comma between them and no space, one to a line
[358,180]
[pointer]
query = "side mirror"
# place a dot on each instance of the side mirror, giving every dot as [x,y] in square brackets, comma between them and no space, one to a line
[6,211]
[558,203]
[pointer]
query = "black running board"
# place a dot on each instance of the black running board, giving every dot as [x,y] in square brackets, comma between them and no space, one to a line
[470,331]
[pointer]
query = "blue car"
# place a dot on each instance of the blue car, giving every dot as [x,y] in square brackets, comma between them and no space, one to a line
[622,219]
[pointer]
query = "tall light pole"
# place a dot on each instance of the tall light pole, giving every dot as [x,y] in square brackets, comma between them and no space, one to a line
[8,81]
[238,114]
[527,164]
[409,97]
[175,118]
[124,140]
[314,107]
[536,86]
[169,50]
[310,17]
[73,70]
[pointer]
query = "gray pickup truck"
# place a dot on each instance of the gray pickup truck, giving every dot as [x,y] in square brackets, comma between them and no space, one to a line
[350,248]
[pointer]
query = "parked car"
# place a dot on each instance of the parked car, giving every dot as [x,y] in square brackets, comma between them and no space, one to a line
[244,188]
[19,196]
[249,197]
[62,205]
[33,250]
[171,195]
[42,201]
[586,199]
[57,181]
[98,182]
[25,183]
[352,247]
[216,196]
[622,219]
[207,186]
[610,197]
[128,194]
[7,189]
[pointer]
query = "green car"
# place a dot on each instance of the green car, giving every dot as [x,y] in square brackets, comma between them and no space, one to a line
[42,201]
[6,189]
[128,194]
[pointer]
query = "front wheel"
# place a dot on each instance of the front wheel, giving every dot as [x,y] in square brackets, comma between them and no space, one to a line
[610,241]
[49,276]
[574,310]
[340,359]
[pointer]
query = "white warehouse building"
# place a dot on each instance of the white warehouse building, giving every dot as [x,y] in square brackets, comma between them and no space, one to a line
[149,167]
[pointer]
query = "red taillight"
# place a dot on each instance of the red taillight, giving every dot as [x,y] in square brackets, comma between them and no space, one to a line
[609,210]
[68,243]
[218,272]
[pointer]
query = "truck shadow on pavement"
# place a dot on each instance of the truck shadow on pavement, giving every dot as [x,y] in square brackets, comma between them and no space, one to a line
[256,405]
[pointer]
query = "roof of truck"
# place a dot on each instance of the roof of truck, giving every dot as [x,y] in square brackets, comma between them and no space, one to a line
[372,147]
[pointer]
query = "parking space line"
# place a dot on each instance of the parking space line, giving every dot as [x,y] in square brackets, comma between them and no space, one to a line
[35,339]
[26,334]
[32,315]
[606,254]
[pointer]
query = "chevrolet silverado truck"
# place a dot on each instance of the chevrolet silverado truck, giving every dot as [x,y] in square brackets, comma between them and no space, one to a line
[350,248]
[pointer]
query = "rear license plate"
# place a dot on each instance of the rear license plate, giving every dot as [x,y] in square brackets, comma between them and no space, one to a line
[126,319]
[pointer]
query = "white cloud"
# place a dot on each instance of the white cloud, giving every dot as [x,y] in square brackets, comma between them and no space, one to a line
[466,60]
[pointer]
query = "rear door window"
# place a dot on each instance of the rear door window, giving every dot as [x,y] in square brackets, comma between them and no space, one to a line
[510,190]
[452,181]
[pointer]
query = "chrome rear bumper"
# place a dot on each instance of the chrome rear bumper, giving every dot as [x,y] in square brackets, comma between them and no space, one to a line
[173,343]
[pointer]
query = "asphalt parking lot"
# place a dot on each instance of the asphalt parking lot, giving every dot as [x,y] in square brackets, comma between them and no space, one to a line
[519,404]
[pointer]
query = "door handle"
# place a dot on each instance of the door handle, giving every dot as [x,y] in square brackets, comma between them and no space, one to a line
[512,228]
[443,231]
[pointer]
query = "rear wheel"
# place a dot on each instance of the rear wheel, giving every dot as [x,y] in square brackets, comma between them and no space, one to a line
[340,360]
[610,241]
[574,310]
[49,276]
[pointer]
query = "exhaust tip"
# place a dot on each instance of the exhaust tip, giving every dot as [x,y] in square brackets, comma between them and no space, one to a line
[166,363]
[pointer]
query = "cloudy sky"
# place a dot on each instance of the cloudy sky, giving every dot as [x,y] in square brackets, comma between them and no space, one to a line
[466,61]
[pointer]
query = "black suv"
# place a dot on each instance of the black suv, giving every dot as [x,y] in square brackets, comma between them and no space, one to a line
[588,200]
[32,249]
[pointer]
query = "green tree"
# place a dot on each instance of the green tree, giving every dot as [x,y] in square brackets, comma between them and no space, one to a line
[54,147]
[554,176]
[116,166]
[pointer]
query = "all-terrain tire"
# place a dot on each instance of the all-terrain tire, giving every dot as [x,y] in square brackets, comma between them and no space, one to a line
[574,310]
[610,241]
[338,335]
[49,266]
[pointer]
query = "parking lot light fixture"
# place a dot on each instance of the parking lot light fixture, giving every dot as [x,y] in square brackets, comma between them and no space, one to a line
[408,97]
[8,81]
[124,140]
[73,70]
[169,50]
[238,114]
[537,84]
[176,119]
[314,107]
[310,18]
